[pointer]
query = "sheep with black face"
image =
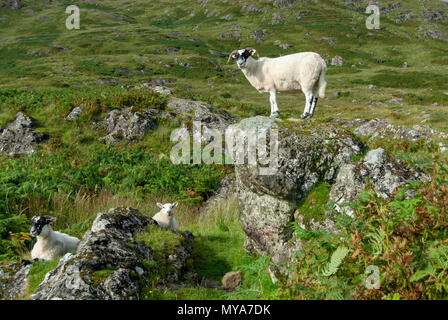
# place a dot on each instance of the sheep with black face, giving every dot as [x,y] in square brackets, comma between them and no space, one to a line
[50,244]
[304,71]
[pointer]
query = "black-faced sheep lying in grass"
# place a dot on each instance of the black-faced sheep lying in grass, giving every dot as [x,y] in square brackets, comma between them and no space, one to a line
[50,244]
[303,71]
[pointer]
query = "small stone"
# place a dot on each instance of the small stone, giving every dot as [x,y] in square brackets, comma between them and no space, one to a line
[231,280]
[140,271]
[74,114]
[337,61]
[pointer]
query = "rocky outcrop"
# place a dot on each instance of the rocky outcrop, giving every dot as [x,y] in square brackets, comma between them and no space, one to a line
[110,263]
[309,152]
[385,172]
[210,116]
[19,137]
[133,125]
[13,280]
[11,4]
[383,129]
[130,124]
[431,14]
[107,265]
[258,35]
[281,4]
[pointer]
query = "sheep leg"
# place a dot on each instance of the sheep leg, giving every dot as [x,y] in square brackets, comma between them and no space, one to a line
[313,105]
[306,113]
[274,107]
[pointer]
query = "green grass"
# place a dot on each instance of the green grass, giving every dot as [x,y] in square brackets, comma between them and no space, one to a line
[37,274]
[218,249]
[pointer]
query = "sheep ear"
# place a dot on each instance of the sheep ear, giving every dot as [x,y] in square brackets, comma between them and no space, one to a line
[51,220]
[175,204]
[159,205]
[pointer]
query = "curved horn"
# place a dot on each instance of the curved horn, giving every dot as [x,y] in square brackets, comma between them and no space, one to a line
[231,54]
[250,48]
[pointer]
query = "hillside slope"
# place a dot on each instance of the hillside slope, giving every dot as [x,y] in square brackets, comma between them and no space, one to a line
[126,43]
[398,73]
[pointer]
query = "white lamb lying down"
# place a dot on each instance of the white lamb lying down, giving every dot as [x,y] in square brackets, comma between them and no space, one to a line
[50,244]
[165,217]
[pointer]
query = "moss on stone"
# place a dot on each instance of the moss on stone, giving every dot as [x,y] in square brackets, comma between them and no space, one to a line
[164,243]
[98,277]
[313,207]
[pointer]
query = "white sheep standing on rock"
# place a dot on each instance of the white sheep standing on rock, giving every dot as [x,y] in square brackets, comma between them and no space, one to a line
[50,244]
[165,217]
[304,71]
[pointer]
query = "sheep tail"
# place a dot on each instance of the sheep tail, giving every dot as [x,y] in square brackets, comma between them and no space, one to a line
[322,82]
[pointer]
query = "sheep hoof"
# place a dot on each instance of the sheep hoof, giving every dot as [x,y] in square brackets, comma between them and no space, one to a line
[275,114]
[306,116]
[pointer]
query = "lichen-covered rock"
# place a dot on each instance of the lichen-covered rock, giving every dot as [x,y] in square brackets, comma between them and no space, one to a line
[385,172]
[309,152]
[383,129]
[131,125]
[110,264]
[75,113]
[107,265]
[178,260]
[190,110]
[19,137]
[13,280]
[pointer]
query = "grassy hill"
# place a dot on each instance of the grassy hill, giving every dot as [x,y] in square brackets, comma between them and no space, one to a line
[47,70]
[130,42]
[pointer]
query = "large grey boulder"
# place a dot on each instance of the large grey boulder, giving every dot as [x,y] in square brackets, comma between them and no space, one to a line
[19,137]
[109,263]
[309,152]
